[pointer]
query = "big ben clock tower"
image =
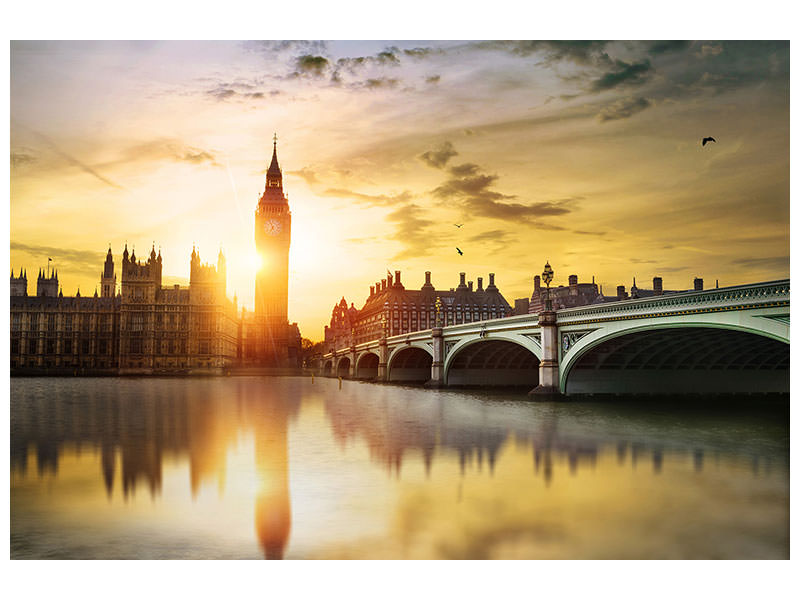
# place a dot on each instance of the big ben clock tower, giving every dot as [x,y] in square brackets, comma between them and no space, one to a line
[273,234]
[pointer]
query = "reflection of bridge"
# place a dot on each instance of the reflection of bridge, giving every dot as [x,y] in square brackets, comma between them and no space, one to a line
[732,339]
[478,428]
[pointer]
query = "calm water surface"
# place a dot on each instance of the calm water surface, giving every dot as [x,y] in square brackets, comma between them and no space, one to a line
[256,467]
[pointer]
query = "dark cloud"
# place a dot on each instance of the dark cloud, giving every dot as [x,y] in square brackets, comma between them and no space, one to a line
[641,261]
[721,67]
[483,206]
[464,170]
[727,66]
[420,53]
[433,79]
[581,52]
[237,90]
[412,230]
[306,174]
[221,93]
[770,262]
[309,64]
[472,192]
[623,108]
[85,262]
[281,46]
[388,56]
[377,82]
[664,46]
[438,158]
[472,185]
[623,74]
[589,232]
[354,64]
[372,200]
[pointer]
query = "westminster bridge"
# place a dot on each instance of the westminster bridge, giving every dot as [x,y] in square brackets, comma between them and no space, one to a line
[724,340]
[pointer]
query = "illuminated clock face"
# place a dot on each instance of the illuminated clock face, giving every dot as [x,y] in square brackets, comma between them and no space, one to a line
[272,227]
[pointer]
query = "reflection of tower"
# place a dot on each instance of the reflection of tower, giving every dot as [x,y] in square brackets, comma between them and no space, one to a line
[273,232]
[273,511]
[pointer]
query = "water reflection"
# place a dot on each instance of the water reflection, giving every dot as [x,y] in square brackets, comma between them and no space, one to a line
[144,422]
[475,427]
[139,428]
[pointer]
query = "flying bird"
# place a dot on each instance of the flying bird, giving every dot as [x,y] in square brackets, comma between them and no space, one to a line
[460,253]
[708,139]
[459,226]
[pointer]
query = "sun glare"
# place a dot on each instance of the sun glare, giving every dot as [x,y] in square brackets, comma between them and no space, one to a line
[254,261]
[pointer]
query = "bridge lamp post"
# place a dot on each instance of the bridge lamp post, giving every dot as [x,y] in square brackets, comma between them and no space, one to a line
[548,365]
[437,364]
[547,277]
[383,349]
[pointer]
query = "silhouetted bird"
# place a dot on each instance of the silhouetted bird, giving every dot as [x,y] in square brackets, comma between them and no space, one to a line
[708,139]
[459,251]
[459,226]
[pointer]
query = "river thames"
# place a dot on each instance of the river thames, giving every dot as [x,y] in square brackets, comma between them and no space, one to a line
[283,467]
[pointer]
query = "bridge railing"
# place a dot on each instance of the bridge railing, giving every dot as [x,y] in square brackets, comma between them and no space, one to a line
[742,296]
[512,322]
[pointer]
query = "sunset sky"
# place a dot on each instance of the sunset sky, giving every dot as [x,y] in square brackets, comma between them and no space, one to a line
[586,154]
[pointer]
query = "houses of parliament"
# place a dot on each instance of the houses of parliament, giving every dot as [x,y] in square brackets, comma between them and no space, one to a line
[145,328]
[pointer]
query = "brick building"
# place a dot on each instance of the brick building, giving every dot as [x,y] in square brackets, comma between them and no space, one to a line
[393,309]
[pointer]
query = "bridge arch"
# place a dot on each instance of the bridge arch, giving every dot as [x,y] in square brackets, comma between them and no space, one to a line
[367,365]
[410,362]
[343,367]
[498,360]
[715,353]
[327,367]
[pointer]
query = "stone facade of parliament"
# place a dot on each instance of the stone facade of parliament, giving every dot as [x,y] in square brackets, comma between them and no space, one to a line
[146,328]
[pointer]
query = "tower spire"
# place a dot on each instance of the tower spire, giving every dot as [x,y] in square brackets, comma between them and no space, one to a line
[274,169]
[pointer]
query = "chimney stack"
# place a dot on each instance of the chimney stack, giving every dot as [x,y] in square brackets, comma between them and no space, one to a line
[469,284]
[698,284]
[427,278]
[537,283]
[383,284]
[371,291]
[397,279]
[480,284]
[658,287]
[573,280]
[463,280]
[491,280]
[389,279]
[621,292]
